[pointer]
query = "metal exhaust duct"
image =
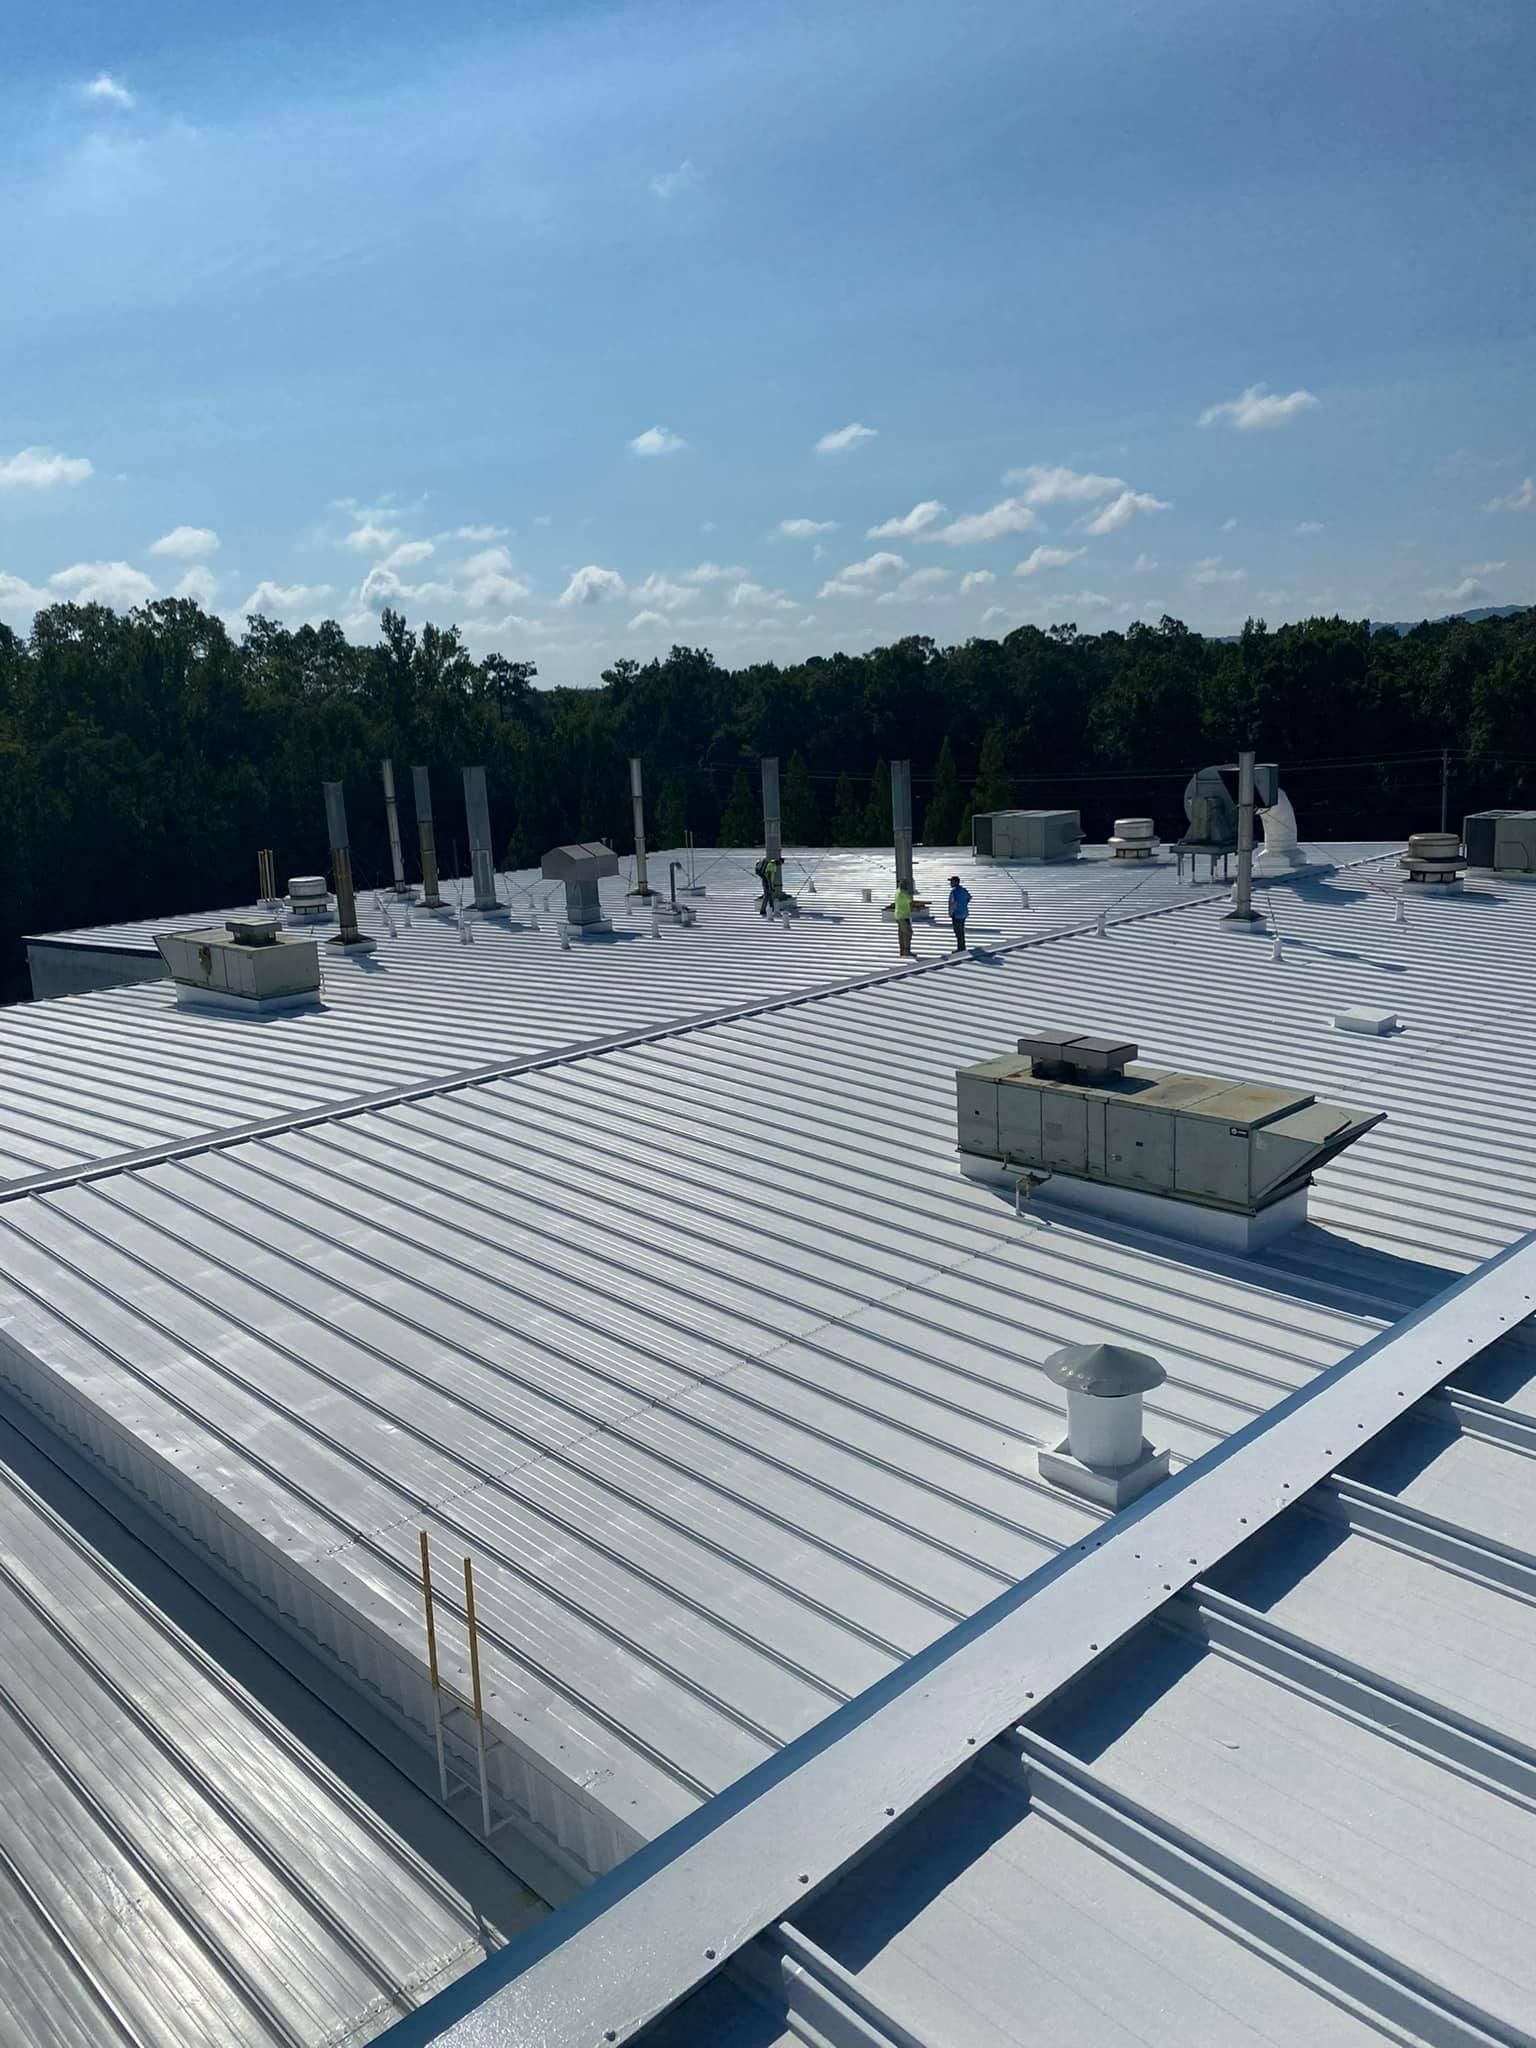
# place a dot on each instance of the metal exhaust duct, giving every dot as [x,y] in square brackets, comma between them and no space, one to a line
[347,932]
[392,816]
[421,782]
[773,829]
[266,876]
[1242,912]
[482,864]
[637,798]
[901,821]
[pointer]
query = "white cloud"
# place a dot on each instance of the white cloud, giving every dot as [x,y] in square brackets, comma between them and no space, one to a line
[409,553]
[657,441]
[1229,526]
[845,438]
[657,592]
[976,579]
[199,584]
[369,539]
[995,614]
[590,585]
[923,585]
[1119,510]
[482,533]
[753,597]
[1258,407]
[1047,558]
[1458,593]
[647,619]
[1472,583]
[667,184]
[1209,570]
[1308,526]
[804,529]
[539,519]
[1012,515]
[113,583]
[18,598]
[285,600]
[40,468]
[186,543]
[859,577]
[1079,600]
[1520,500]
[106,91]
[487,579]
[713,572]
[1143,563]
[1062,486]
[918,520]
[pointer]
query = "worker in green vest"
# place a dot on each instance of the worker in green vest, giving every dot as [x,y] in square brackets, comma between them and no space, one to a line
[901,910]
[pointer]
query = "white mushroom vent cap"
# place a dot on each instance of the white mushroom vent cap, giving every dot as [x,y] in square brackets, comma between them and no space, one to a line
[1106,1371]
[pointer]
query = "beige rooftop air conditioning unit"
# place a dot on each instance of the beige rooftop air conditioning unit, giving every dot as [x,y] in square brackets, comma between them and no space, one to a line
[1071,1121]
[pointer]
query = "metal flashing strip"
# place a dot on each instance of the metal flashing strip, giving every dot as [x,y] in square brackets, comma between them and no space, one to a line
[657,1927]
[524,1063]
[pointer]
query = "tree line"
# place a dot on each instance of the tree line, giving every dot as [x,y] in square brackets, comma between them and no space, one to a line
[146,756]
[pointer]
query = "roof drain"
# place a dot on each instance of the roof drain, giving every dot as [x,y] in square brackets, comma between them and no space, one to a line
[1104,1456]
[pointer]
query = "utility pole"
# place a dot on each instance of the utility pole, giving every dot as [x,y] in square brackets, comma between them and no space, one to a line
[1242,911]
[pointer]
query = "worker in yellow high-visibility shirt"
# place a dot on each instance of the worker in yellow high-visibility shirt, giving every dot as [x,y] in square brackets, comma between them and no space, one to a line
[901,910]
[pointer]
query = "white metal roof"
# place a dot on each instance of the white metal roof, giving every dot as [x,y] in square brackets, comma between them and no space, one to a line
[705,1350]
[123,1070]
[193,1850]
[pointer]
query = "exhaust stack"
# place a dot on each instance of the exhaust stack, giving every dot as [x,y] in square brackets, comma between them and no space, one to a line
[901,821]
[347,932]
[266,878]
[642,887]
[482,863]
[392,815]
[421,783]
[773,828]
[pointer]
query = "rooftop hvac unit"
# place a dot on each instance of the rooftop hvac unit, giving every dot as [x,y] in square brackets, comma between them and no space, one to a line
[1502,842]
[1026,835]
[248,966]
[1224,1161]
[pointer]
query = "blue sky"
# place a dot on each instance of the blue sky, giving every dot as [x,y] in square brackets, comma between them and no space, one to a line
[539,318]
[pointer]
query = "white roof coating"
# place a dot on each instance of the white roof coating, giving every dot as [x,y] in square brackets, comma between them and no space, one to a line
[193,1851]
[126,1069]
[705,1350]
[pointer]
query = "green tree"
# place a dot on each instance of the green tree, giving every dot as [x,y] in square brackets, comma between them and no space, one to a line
[946,801]
[877,827]
[991,790]
[802,815]
[739,820]
[847,813]
[671,814]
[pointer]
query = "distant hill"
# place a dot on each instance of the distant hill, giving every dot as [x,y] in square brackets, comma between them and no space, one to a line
[1487,611]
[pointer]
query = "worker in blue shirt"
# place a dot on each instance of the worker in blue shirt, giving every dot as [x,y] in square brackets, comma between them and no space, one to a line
[959,910]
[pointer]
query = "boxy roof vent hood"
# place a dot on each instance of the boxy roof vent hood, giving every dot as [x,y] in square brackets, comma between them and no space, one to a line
[1070,1121]
[249,967]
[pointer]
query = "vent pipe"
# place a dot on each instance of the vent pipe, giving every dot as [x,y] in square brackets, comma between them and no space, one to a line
[1104,1456]
[773,829]
[266,877]
[637,798]
[1242,912]
[901,821]
[392,816]
[421,783]
[482,865]
[347,932]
